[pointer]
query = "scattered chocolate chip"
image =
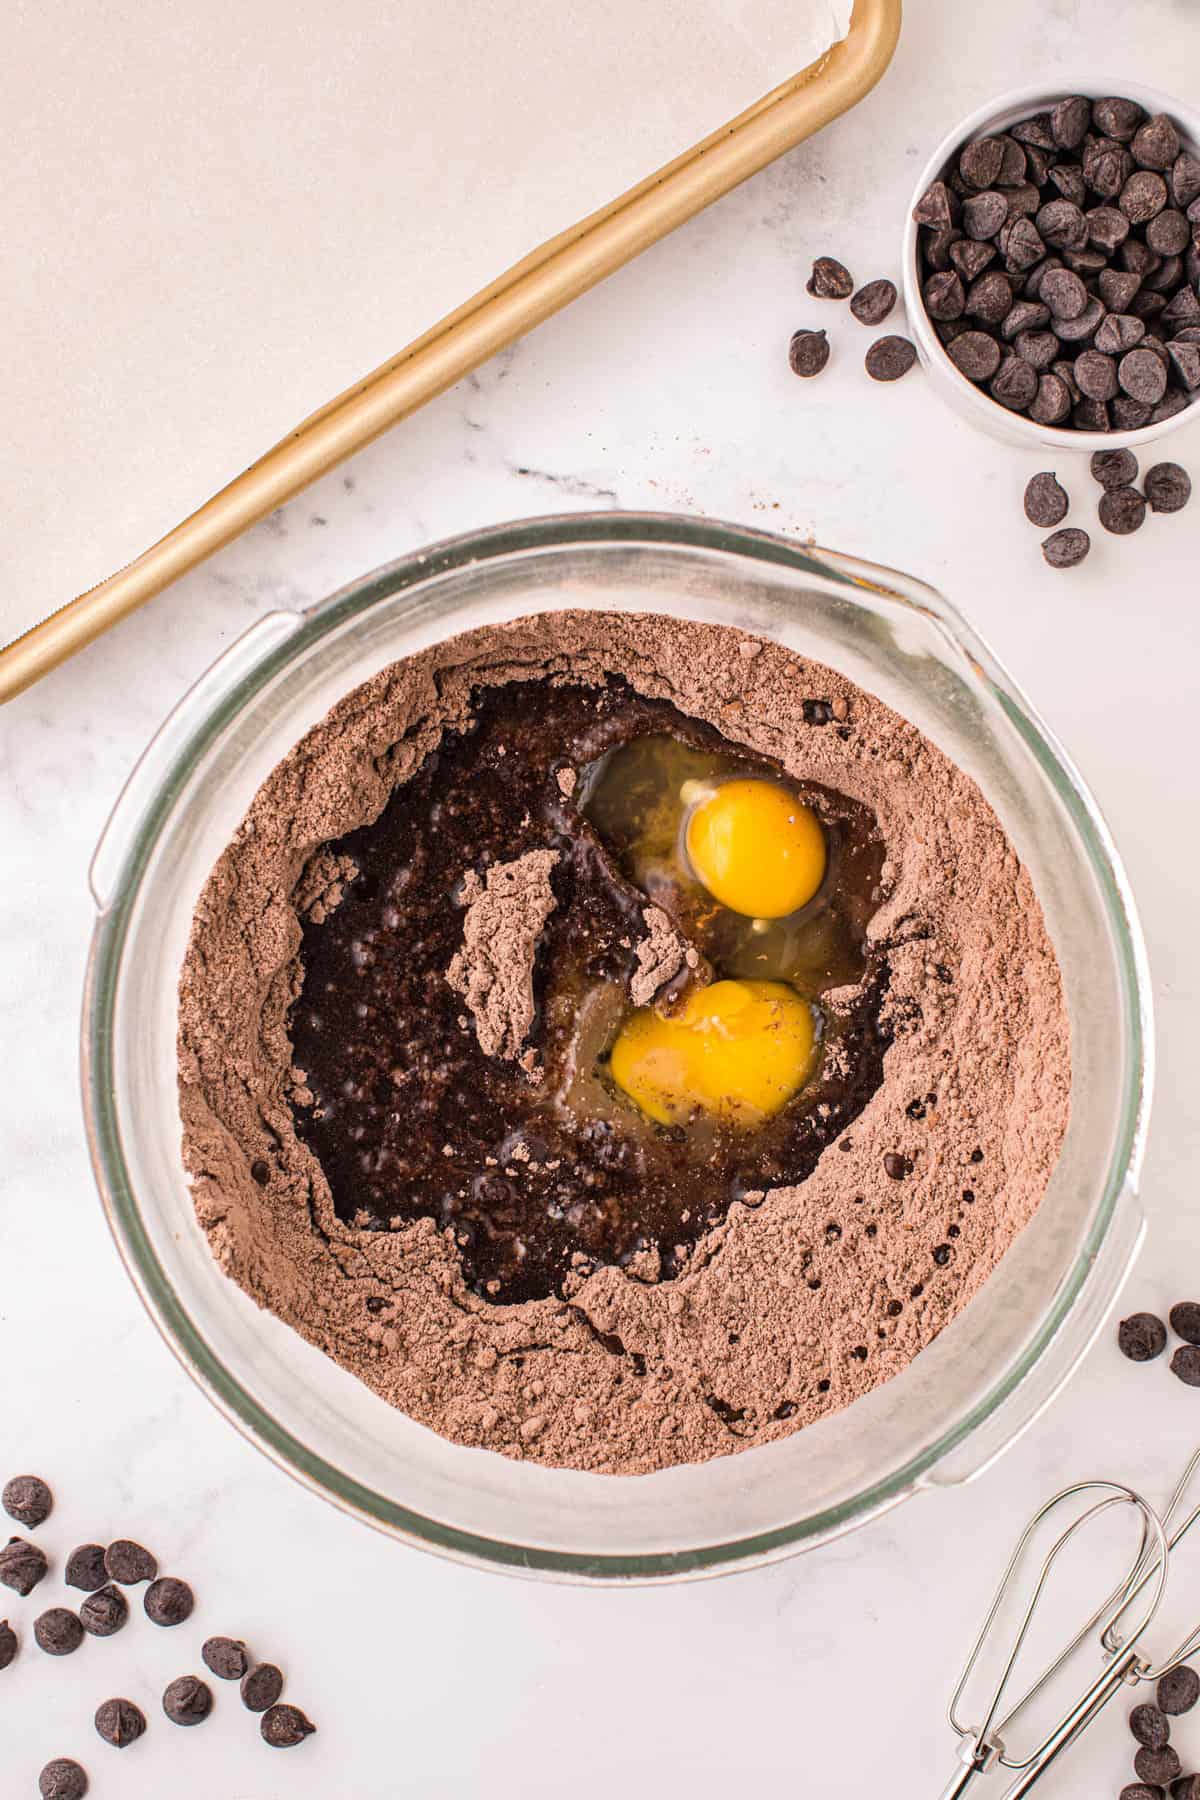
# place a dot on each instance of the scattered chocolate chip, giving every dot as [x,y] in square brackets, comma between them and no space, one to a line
[261,1687]
[1178,1690]
[872,303]
[8,1644]
[62,1779]
[22,1566]
[168,1601]
[120,1723]
[1117,288]
[895,1165]
[1169,234]
[1155,144]
[1146,304]
[1182,310]
[28,1500]
[227,1658]
[260,1172]
[1142,375]
[944,295]
[1046,502]
[1186,1788]
[85,1568]
[1122,510]
[1062,224]
[1083,326]
[808,352]
[57,1632]
[1150,1726]
[1020,244]
[188,1700]
[1141,1337]
[1157,1767]
[1184,1317]
[980,163]
[1185,179]
[1186,358]
[1166,278]
[1186,1364]
[890,357]
[1038,348]
[937,207]
[1015,383]
[1168,488]
[284,1726]
[1119,332]
[1038,131]
[942,1254]
[830,280]
[969,257]
[976,354]
[1107,228]
[1070,121]
[104,1613]
[1023,316]
[990,297]
[1117,118]
[1114,468]
[129,1563]
[1064,549]
[1068,179]
[983,215]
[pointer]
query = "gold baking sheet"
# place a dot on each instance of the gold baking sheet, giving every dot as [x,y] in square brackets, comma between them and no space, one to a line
[531,291]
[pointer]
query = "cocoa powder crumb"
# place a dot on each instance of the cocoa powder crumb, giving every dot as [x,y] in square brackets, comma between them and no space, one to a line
[636,1372]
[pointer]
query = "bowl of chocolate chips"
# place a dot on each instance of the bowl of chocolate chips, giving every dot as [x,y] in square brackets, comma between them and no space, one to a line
[1052,266]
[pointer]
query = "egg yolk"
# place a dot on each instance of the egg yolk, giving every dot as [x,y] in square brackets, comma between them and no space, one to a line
[738,1050]
[756,848]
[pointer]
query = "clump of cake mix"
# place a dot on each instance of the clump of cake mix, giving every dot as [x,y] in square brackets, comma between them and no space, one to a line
[453,920]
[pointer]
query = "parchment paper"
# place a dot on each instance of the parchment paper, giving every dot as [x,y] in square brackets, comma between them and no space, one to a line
[216,216]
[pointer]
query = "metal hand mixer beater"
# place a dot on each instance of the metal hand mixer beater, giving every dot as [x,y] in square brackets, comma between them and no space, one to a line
[1112,1633]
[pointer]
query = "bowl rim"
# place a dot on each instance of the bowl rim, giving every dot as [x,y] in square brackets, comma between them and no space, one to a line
[977,404]
[152,791]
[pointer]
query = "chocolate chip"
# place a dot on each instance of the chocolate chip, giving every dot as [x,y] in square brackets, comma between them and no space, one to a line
[1033,281]
[1064,549]
[970,258]
[1115,468]
[1155,144]
[942,1254]
[1025,315]
[168,1601]
[1096,375]
[129,1563]
[22,1566]
[1185,179]
[284,1726]
[187,1700]
[1146,304]
[62,1779]
[1015,383]
[1142,375]
[830,280]
[1107,227]
[872,303]
[1086,263]
[1186,1788]
[1020,244]
[1023,201]
[1062,224]
[1170,404]
[1178,1690]
[8,1644]
[976,354]
[808,352]
[120,1723]
[1038,348]
[1129,415]
[984,214]
[1150,1726]
[1168,488]
[1066,374]
[1064,293]
[1068,179]
[1070,121]
[85,1568]
[1012,165]
[980,163]
[104,1613]
[891,357]
[936,207]
[1186,1364]
[944,295]
[1107,166]
[1143,196]
[1141,1337]
[1186,358]
[1081,328]
[938,245]
[226,1657]
[1046,503]
[1119,332]
[261,1686]
[57,1632]
[1117,117]
[1168,233]
[28,1500]
[1157,1767]
[1122,510]
[990,297]
[1117,288]
[1137,258]
[1038,131]
[1052,402]
[1182,310]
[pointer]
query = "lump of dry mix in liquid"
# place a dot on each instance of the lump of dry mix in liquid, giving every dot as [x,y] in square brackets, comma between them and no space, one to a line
[410,1131]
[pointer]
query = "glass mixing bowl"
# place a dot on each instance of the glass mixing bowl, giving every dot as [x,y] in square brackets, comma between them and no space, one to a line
[960,1402]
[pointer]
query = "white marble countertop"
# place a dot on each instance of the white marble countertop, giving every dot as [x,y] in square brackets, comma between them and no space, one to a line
[666,389]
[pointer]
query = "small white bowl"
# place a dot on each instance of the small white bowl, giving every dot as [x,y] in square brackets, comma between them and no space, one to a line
[974,402]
